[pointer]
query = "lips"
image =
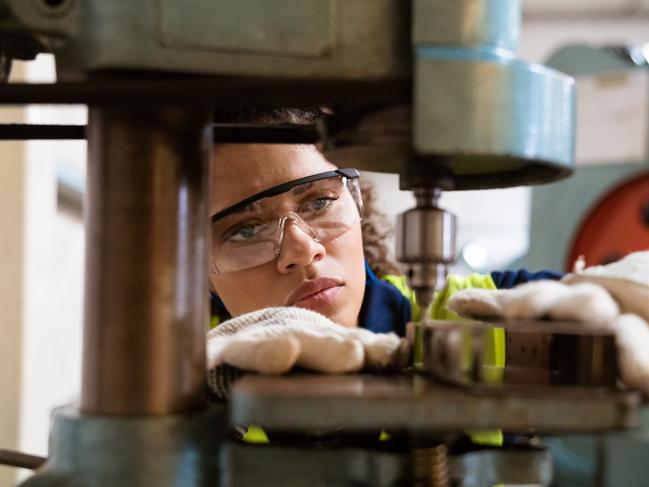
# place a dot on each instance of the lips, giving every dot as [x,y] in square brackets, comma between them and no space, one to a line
[315,292]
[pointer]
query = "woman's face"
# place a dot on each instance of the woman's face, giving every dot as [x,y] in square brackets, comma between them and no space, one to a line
[334,269]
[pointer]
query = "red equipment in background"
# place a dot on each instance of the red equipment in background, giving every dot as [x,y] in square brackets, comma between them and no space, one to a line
[618,224]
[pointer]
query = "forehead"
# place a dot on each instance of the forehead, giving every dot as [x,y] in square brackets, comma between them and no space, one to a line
[241,170]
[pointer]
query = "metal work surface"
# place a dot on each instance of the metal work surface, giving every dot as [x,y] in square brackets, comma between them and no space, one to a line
[418,404]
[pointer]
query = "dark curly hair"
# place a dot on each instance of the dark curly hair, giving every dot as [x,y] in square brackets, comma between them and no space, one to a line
[376,228]
[377,232]
[275,116]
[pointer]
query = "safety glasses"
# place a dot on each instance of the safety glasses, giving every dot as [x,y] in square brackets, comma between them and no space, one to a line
[250,233]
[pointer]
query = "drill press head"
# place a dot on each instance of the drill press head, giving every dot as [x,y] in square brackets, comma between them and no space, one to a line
[426,244]
[481,118]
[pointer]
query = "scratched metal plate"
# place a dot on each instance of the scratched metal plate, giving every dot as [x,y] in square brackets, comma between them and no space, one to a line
[415,403]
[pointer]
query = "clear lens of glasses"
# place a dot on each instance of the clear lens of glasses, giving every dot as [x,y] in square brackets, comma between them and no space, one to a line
[323,209]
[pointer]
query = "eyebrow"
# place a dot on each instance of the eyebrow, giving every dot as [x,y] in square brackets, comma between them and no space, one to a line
[302,188]
[249,208]
[283,188]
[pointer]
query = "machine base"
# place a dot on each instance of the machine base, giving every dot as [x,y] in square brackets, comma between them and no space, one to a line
[93,451]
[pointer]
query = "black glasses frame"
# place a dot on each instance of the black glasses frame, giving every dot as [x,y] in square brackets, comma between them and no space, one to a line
[283,188]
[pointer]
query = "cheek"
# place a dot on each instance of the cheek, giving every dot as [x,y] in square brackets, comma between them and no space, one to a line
[243,291]
[347,252]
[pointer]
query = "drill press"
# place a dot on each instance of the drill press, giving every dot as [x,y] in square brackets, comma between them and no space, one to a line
[429,88]
[481,119]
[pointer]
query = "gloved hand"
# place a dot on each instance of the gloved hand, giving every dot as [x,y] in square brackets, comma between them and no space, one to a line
[614,296]
[274,340]
[627,280]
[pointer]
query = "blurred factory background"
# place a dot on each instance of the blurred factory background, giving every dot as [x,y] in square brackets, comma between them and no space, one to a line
[42,185]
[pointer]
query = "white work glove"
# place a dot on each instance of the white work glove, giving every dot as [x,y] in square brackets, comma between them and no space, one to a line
[627,280]
[274,340]
[613,297]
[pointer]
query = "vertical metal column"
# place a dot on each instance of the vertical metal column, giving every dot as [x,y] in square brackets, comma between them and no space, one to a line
[146,259]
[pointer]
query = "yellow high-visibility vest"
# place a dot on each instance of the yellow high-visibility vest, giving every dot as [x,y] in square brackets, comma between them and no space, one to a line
[494,346]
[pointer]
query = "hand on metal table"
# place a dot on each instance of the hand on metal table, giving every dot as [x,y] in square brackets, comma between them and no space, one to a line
[613,297]
[275,340]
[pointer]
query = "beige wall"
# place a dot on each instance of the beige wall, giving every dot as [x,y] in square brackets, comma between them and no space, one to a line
[41,278]
[12,209]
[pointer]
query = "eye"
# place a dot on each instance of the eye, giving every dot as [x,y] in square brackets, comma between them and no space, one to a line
[317,205]
[244,232]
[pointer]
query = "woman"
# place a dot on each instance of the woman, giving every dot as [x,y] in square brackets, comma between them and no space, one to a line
[288,230]
[327,274]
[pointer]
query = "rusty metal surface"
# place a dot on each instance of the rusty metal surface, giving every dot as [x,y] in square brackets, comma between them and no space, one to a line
[146,255]
[416,403]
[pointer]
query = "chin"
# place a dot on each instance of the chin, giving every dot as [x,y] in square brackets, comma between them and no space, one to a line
[337,318]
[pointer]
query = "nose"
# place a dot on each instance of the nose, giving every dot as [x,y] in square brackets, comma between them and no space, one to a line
[299,248]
